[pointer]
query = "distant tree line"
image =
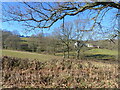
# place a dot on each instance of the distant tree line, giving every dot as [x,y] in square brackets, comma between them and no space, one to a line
[10,40]
[58,42]
[34,43]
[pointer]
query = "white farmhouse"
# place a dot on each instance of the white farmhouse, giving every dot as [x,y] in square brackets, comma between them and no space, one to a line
[89,45]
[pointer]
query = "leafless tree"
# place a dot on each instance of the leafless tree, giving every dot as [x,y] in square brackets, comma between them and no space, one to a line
[81,33]
[45,14]
[66,34]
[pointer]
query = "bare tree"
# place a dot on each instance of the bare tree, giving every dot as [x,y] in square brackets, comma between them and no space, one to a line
[66,35]
[81,32]
[45,14]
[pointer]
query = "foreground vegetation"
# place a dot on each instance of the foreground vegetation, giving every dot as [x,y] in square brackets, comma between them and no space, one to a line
[58,73]
[33,70]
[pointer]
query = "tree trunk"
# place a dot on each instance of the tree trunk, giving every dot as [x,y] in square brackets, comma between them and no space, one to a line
[68,51]
[63,54]
[78,53]
[54,51]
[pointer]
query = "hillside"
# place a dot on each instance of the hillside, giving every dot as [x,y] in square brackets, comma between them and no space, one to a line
[28,55]
[49,44]
[98,54]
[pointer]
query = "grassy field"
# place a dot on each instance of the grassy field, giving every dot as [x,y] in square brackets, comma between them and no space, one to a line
[102,51]
[25,38]
[95,53]
[29,55]
[103,54]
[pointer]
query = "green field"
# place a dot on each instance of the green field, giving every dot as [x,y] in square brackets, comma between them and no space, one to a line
[25,38]
[22,54]
[102,51]
[93,53]
[103,54]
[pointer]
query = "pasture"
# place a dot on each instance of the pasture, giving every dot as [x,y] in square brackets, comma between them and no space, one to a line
[100,54]
[102,51]
[29,55]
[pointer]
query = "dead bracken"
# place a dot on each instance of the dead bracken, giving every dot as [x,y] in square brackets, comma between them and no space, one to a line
[64,73]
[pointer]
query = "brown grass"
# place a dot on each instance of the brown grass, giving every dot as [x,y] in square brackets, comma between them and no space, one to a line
[69,73]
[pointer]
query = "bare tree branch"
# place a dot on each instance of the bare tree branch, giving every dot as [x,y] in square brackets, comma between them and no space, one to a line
[46,14]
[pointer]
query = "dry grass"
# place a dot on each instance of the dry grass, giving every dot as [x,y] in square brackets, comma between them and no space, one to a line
[69,73]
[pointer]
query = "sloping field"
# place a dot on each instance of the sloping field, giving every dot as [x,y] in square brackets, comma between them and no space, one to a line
[102,54]
[102,51]
[29,55]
